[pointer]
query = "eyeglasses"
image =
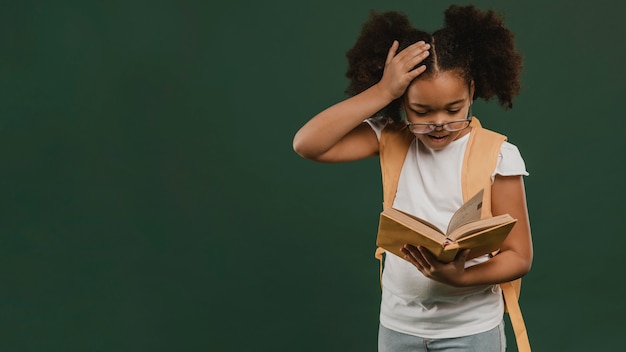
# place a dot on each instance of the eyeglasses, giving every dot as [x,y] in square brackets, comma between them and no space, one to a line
[452,126]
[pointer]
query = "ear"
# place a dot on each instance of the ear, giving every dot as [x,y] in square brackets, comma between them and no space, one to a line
[471,93]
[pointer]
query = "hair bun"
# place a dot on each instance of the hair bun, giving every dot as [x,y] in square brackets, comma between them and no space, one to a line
[489,48]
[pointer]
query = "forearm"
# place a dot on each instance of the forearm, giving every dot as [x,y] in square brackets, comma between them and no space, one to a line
[328,127]
[506,266]
[327,136]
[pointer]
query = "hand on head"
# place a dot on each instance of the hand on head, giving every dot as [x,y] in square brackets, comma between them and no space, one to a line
[402,68]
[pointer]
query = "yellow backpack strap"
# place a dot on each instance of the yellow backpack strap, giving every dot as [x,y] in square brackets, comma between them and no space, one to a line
[478,166]
[395,140]
[510,291]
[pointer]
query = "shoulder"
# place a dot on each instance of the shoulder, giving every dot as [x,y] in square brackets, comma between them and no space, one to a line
[509,148]
[485,139]
[485,133]
[510,161]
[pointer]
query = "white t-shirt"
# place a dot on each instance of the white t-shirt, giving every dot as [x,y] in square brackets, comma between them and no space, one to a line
[430,188]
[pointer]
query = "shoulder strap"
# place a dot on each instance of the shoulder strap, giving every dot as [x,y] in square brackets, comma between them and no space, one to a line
[481,157]
[510,291]
[395,140]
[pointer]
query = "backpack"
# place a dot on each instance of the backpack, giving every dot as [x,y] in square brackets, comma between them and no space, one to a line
[479,162]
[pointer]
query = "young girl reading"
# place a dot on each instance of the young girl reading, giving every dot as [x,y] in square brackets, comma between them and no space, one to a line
[406,82]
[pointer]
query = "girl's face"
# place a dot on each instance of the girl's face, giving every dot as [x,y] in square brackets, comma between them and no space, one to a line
[438,99]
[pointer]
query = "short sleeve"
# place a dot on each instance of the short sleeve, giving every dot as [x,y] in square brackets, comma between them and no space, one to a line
[510,162]
[377,124]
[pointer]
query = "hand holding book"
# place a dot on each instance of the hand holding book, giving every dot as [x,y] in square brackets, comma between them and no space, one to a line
[450,273]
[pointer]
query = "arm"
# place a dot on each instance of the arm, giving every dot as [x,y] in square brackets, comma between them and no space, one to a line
[515,258]
[338,132]
[516,255]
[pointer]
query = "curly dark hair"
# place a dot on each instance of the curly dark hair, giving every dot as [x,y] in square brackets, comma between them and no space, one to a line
[473,43]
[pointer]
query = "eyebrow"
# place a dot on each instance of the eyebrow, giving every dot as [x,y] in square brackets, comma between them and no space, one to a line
[426,106]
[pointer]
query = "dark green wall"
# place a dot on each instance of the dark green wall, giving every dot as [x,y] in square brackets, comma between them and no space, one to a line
[151,200]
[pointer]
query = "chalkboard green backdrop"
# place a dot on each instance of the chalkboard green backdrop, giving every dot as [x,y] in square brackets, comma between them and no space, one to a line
[151,199]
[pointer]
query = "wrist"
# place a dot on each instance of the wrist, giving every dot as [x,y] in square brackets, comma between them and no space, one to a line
[385,94]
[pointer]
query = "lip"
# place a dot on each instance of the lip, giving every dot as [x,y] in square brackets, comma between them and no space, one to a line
[437,138]
[437,141]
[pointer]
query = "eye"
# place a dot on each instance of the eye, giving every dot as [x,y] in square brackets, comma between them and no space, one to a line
[454,111]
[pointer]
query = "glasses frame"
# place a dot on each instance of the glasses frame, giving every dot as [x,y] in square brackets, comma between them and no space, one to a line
[434,126]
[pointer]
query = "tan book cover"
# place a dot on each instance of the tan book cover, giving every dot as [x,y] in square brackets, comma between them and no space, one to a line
[465,230]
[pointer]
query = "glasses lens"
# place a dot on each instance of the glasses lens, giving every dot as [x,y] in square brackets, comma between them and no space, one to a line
[421,128]
[456,125]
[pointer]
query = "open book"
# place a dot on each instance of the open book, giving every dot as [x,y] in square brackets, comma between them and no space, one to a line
[465,230]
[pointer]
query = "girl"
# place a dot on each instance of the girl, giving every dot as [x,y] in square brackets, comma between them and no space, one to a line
[426,83]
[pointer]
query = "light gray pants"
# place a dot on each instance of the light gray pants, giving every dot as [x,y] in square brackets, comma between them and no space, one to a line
[493,340]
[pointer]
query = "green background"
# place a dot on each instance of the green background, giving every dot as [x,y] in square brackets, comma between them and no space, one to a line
[151,199]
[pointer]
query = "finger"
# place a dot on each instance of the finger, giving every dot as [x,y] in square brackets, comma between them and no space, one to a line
[411,66]
[417,58]
[429,258]
[411,259]
[418,44]
[416,49]
[392,51]
[462,257]
[416,256]
[416,72]
[407,254]
[412,50]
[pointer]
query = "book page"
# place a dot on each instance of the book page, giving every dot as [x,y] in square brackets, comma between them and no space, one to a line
[486,241]
[421,221]
[471,228]
[468,212]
